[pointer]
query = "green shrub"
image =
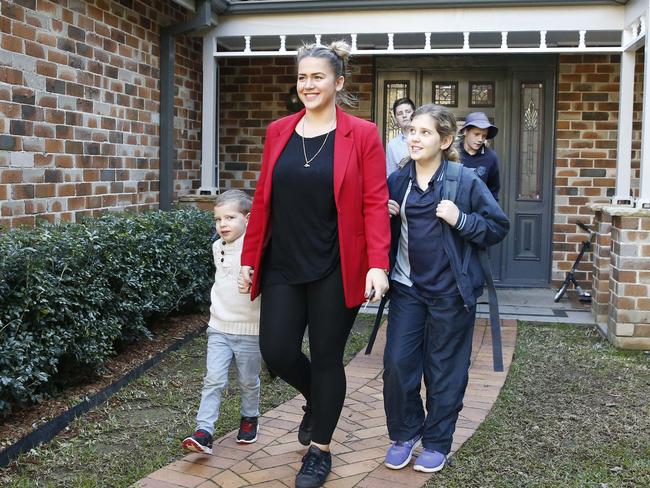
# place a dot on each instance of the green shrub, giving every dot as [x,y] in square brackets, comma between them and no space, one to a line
[71,293]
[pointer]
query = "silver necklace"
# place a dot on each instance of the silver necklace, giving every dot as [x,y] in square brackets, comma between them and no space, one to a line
[304,150]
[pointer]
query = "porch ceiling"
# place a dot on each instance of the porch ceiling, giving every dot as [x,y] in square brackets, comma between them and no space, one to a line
[558,28]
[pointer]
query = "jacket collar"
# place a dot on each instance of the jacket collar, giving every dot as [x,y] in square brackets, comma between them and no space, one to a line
[343,145]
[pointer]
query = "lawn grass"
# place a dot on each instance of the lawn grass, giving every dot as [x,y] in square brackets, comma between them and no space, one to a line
[574,412]
[139,430]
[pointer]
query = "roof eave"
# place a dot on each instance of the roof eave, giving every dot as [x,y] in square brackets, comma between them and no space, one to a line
[271,6]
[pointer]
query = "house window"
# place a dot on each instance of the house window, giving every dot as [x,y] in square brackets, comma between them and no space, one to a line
[529,174]
[481,94]
[394,89]
[445,93]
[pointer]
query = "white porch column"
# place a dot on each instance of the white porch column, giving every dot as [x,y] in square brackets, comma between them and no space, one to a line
[624,145]
[209,135]
[644,183]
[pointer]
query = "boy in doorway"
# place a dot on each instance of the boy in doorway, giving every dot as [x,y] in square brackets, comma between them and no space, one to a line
[475,154]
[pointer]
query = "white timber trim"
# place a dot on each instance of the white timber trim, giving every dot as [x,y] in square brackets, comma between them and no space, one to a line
[209,136]
[644,180]
[624,144]
[494,19]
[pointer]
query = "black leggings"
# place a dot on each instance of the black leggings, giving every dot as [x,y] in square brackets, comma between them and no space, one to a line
[285,312]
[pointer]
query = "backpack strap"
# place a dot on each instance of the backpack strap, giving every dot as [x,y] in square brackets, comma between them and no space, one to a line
[449,192]
[451,180]
[495,323]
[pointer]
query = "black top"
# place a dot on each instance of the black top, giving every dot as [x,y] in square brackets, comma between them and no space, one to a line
[304,244]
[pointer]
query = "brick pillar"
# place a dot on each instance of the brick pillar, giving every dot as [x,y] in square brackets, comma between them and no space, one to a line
[602,225]
[628,324]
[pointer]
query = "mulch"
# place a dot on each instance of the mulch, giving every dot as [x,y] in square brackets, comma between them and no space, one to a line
[165,333]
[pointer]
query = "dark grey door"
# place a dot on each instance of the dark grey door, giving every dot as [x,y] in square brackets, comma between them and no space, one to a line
[517,94]
[530,198]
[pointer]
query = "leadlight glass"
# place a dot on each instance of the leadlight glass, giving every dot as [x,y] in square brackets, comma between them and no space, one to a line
[394,89]
[481,94]
[529,186]
[445,93]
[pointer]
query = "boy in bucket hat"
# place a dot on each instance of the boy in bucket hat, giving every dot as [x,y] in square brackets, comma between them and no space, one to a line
[474,154]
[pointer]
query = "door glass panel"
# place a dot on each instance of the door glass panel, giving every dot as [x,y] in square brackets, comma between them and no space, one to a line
[393,90]
[481,94]
[445,93]
[529,171]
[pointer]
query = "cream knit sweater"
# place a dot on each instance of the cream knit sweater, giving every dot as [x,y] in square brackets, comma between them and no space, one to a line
[231,312]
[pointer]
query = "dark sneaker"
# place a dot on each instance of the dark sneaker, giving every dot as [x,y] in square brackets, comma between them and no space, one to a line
[430,461]
[247,430]
[316,465]
[200,441]
[306,425]
[399,454]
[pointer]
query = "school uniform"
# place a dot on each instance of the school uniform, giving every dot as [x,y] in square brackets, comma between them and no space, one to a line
[486,164]
[435,280]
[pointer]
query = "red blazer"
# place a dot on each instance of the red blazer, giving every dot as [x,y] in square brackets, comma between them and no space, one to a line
[360,193]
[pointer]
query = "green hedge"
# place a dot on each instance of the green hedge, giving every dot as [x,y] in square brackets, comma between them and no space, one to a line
[71,293]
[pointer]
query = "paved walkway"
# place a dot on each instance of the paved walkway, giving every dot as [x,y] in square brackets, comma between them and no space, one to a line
[359,443]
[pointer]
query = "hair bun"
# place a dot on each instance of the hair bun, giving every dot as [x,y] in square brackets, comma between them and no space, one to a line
[342,49]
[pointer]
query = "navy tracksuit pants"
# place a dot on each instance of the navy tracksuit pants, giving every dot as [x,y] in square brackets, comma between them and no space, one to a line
[430,337]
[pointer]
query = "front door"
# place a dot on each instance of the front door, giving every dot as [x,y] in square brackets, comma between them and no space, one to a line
[517,98]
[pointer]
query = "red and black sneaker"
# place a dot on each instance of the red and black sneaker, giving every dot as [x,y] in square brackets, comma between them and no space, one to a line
[247,430]
[200,441]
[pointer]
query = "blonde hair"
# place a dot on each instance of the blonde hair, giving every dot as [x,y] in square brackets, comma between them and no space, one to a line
[338,55]
[243,201]
[445,123]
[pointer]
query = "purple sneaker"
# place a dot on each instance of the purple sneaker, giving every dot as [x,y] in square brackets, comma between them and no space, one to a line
[430,461]
[399,454]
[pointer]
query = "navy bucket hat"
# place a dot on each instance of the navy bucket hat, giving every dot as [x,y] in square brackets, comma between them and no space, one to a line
[480,120]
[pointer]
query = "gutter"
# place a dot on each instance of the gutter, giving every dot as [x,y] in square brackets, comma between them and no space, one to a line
[295,6]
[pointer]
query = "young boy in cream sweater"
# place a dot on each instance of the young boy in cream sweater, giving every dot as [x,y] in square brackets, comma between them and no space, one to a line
[233,329]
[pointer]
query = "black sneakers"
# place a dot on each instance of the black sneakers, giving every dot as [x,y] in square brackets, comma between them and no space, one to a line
[316,465]
[304,431]
[200,441]
[247,430]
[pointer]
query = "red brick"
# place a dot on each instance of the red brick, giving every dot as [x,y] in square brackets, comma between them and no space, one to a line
[22,192]
[11,76]
[24,31]
[44,190]
[65,189]
[11,43]
[77,203]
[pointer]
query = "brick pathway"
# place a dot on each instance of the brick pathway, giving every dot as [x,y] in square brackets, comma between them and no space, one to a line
[359,443]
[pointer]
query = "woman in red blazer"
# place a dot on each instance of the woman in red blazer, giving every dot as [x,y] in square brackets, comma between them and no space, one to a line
[317,243]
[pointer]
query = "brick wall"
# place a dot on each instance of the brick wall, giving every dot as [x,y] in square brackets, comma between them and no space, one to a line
[79,110]
[586,135]
[628,323]
[253,93]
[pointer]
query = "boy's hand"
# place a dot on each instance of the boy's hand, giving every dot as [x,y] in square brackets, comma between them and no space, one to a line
[376,280]
[245,279]
[448,211]
[393,208]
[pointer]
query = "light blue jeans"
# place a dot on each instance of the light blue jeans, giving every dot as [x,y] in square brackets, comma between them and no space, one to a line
[221,349]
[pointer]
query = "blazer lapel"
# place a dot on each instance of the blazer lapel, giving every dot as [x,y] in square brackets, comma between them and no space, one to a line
[278,143]
[343,145]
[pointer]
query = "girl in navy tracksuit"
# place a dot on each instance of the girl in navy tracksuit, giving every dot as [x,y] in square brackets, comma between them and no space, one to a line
[435,280]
